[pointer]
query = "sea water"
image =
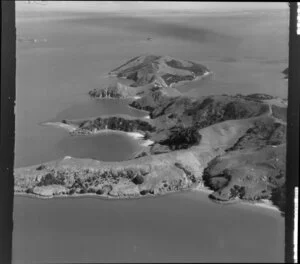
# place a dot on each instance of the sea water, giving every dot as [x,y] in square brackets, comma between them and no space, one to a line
[180,227]
[54,77]
[247,54]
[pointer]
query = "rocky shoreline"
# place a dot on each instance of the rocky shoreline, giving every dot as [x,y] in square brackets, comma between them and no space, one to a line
[234,145]
[267,204]
[105,197]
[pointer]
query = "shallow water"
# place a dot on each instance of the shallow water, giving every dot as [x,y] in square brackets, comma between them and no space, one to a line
[98,146]
[184,227]
[48,143]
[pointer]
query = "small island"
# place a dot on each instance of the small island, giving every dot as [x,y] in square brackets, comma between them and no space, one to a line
[145,72]
[232,145]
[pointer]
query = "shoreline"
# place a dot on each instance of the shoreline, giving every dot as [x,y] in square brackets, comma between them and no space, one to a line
[197,78]
[68,127]
[135,135]
[116,98]
[263,204]
[159,164]
[97,196]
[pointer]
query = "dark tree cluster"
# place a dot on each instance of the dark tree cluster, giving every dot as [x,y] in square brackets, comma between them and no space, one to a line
[278,197]
[117,123]
[262,134]
[260,96]
[77,184]
[137,105]
[237,191]
[103,93]
[182,138]
[144,192]
[100,192]
[210,111]
[41,167]
[138,179]
[171,78]
[50,179]
[218,181]
[197,69]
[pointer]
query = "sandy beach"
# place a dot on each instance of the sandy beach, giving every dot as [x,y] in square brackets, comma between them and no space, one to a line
[70,128]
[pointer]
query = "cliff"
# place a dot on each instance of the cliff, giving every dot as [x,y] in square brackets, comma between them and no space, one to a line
[118,91]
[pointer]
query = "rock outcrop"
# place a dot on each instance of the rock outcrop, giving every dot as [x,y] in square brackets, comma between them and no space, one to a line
[118,91]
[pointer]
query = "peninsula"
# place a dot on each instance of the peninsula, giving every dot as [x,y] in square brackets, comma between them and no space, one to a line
[233,145]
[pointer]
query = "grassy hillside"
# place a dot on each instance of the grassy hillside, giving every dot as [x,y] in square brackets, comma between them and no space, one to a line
[235,145]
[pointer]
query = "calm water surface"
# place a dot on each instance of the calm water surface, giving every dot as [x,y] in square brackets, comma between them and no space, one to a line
[53,79]
[184,227]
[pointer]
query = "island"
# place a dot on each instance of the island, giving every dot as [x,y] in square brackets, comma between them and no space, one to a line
[232,145]
[144,72]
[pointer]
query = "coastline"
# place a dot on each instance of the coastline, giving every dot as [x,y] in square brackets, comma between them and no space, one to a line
[267,204]
[69,128]
[197,78]
[264,204]
[116,98]
[218,135]
[135,135]
[97,196]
